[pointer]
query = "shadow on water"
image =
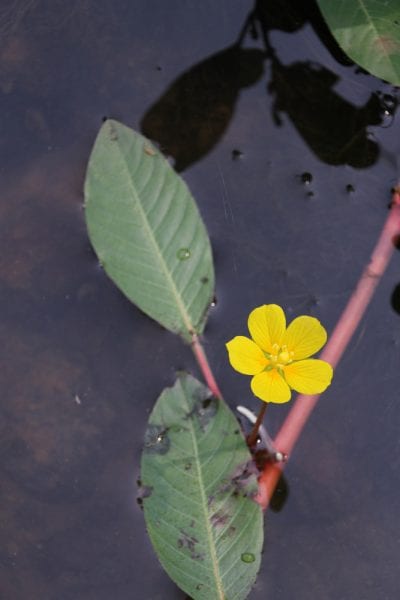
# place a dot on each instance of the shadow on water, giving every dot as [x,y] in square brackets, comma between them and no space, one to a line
[193,114]
[195,111]
[395,299]
[334,128]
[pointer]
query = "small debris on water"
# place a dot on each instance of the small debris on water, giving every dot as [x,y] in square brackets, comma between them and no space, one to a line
[236,154]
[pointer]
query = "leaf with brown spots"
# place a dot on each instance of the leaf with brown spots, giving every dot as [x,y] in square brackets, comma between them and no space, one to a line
[200,514]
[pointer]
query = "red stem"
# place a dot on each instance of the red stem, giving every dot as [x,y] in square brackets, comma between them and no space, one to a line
[205,367]
[345,328]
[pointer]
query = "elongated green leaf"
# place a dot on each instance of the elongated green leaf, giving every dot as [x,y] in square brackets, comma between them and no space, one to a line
[197,488]
[146,230]
[369,32]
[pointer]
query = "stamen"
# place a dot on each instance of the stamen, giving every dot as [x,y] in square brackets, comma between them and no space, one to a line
[284,356]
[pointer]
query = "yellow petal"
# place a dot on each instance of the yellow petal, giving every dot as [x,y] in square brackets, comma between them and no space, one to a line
[304,336]
[245,356]
[309,376]
[267,326]
[270,387]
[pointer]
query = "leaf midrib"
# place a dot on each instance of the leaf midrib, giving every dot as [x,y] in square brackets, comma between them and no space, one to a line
[204,504]
[175,292]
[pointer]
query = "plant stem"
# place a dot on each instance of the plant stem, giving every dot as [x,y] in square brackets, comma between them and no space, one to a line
[205,367]
[345,328]
[252,437]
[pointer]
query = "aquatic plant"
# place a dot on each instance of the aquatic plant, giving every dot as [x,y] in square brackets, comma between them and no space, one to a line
[200,488]
[198,480]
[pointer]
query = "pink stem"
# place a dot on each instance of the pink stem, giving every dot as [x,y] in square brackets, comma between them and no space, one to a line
[345,328]
[204,366]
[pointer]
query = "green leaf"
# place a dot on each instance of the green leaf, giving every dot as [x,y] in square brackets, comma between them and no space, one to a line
[146,230]
[197,494]
[369,32]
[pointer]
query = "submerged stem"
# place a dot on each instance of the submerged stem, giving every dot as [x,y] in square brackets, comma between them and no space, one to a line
[337,344]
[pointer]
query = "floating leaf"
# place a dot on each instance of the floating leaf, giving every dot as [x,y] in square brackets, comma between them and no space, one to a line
[369,32]
[196,470]
[146,230]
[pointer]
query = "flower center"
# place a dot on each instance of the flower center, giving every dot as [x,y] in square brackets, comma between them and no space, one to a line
[279,357]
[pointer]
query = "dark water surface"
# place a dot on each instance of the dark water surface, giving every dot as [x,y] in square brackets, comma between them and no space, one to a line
[291,152]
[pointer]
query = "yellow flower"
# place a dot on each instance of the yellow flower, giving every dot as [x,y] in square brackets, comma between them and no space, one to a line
[278,357]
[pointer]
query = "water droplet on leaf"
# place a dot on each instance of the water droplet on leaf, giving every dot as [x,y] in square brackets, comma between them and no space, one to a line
[248,557]
[183,253]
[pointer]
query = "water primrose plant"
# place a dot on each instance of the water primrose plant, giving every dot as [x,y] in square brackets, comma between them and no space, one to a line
[200,490]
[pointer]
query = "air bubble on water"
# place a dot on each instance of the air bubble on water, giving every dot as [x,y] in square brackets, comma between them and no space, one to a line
[389,105]
[306,177]
[183,253]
